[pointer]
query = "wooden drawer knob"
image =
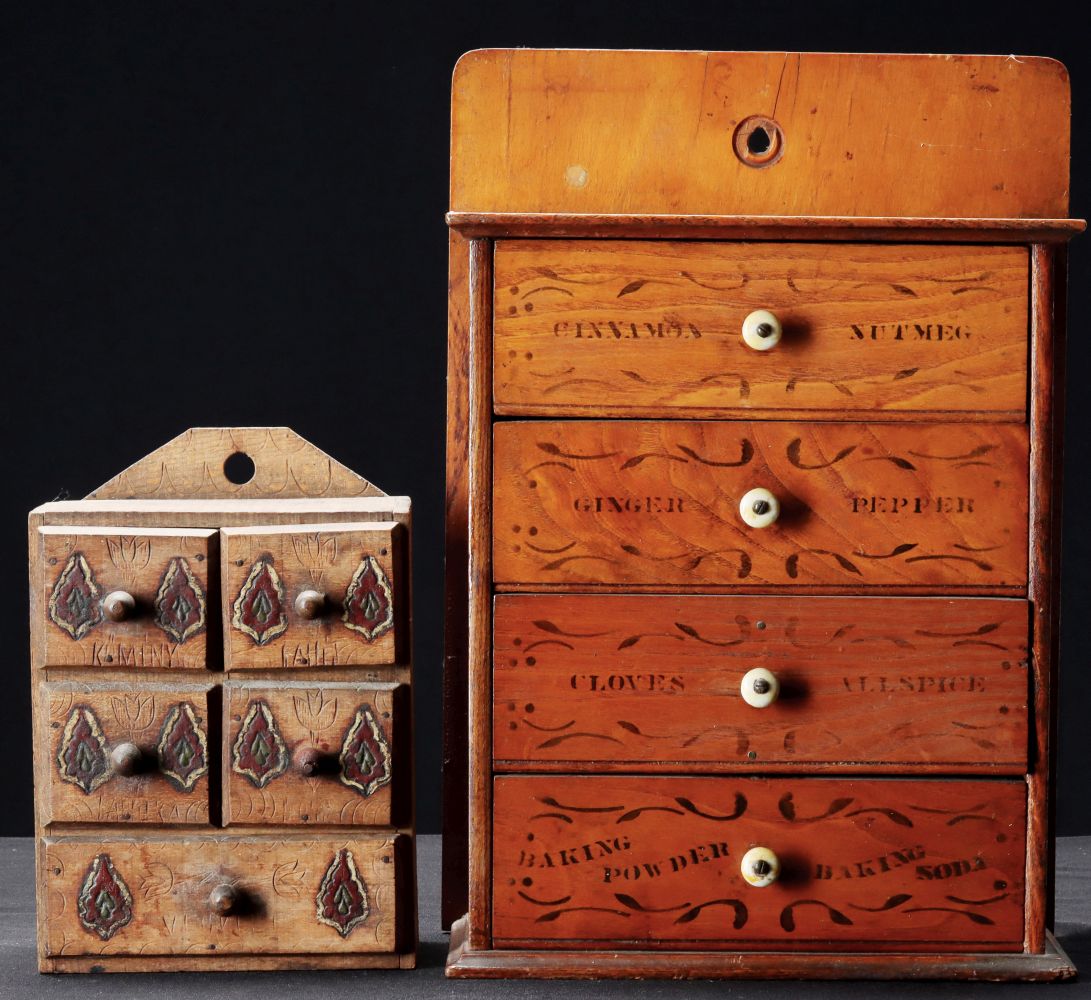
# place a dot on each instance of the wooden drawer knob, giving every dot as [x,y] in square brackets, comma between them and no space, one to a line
[224,899]
[310,604]
[761,330]
[759,508]
[118,605]
[126,759]
[760,867]
[310,762]
[759,687]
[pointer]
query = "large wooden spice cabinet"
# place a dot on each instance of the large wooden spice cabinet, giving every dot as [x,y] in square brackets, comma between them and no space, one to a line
[222,714]
[753,478]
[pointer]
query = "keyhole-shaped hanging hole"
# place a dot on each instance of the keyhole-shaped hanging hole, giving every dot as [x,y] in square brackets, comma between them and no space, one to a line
[239,468]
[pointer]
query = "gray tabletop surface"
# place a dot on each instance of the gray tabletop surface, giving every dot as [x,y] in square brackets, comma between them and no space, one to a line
[20,980]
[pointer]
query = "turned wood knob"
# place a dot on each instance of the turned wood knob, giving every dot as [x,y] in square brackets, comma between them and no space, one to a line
[309,761]
[310,604]
[760,867]
[223,899]
[759,508]
[118,605]
[759,687]
[761,330]
[126,759]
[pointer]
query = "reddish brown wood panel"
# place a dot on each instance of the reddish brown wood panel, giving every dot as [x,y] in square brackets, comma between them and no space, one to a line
[351,572]
[638,328]
[88,724]
[312,754]
[942,506]
[156,581]
[156,896]
[624,132]
[653,682]
[864,865]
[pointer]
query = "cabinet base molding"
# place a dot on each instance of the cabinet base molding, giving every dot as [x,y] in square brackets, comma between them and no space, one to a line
[463,962]
[226,963]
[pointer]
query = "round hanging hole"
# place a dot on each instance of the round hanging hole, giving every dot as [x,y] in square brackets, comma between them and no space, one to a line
[239,468]
[758,141]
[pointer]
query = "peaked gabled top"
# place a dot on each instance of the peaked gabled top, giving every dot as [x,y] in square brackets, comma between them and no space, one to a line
[192,466]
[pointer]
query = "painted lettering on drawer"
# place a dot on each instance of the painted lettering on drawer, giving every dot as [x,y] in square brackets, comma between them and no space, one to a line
[660,681]
[644,862]
[632,328]
[942,506]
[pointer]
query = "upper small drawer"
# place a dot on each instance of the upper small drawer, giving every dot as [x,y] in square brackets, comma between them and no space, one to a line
[313,595]
[649,328]
[122,597]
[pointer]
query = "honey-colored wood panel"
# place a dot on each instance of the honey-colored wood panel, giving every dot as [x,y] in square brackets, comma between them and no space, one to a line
[638,328]
[627,132]
[154,581]
[163,895]
[648,863]
[315,595]
[942,506]
[329,754]
[125,754]
[656,682]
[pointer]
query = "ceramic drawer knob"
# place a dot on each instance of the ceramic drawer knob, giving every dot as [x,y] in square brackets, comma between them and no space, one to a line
[759,687]
[761,330]
[118,605]
[760,867]
[126,759]
[223,900]
[310,604]
[759,508]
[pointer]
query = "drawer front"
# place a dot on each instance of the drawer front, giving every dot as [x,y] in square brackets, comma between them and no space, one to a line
[642,862]
[666,681]
[125,755]
[942,506]
[326,755]
[123,597]
[306,596]
[645,328]
[167,895]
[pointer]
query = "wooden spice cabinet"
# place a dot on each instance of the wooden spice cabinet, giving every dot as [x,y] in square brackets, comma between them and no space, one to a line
[754,438]
[222,715]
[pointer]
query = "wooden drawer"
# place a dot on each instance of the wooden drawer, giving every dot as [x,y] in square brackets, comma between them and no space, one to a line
[329,754]
[649,863]
[120,754]
[655,683]
[937,506]
[316,595]
[633,328]
[163,895]
[122,597]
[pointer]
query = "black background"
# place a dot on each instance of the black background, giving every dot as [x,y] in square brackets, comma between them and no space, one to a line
[232,214]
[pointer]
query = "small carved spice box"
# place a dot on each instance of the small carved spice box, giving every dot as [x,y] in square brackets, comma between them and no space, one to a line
[222,708]
[755,362]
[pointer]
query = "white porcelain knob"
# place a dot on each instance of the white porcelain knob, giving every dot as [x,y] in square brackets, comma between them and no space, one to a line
[759,687]
[760,867]
[761,330]
[759,508]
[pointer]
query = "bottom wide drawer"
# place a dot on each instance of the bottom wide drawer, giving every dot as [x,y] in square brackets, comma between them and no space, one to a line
[224,895]
[758,863]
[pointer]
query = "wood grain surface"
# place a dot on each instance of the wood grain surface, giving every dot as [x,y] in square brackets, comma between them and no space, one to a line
[652,683]
[77,567]
[865,865]
[330,559]
[170,881]
[942,506]
[644,328]
[323,719]
[576,131]
[86,788]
